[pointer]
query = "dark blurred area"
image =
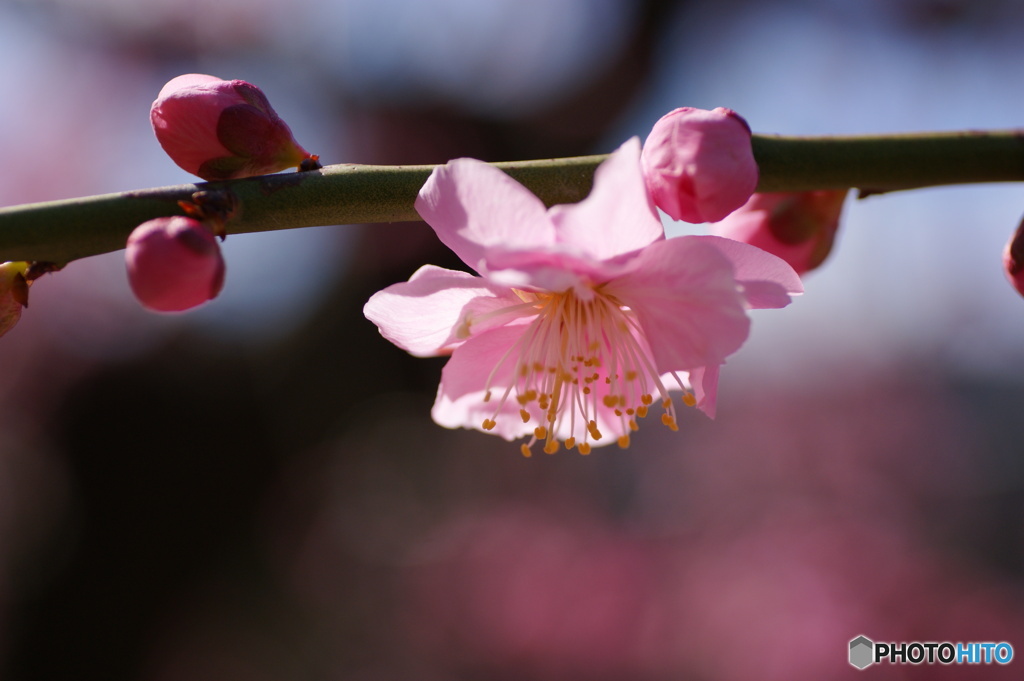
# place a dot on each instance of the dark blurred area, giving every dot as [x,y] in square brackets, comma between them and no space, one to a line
[256,491]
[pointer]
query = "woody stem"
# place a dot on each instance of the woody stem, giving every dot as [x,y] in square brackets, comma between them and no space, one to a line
[61,231]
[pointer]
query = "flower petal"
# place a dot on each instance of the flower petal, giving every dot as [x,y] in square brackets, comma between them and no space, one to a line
[768,281]
[460,396]
[433,312]
[473,206]
[618,217]
[687,302]
[705,388]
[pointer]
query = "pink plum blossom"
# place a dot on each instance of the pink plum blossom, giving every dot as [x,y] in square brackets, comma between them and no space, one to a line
[174,264]
[13,294]
[222,129]
[582,315]
[799,227]
[1013,259]
[699,165]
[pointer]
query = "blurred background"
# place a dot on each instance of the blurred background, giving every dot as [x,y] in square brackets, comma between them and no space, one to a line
[255,491]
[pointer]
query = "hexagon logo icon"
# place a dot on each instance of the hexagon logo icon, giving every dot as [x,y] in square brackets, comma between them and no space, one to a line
[861,649]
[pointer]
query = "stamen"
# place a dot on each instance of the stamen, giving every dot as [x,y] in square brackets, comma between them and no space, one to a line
[568,346]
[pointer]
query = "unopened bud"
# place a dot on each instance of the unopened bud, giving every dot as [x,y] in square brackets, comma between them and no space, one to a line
[222,129]
[174,264]
[13,294]
[1013,259]
[799,227]
[699,165]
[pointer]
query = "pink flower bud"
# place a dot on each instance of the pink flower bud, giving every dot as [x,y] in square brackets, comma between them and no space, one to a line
[222,129]
[1013,259]
[13,294]
[699,165]
[798,227]
[174,264]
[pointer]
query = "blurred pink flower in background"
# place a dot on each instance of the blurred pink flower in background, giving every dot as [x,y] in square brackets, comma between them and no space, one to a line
[222,129]
[520,592]
[798,227]
[699,165]
[584,314]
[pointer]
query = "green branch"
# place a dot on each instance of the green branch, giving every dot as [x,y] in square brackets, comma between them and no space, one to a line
[61,231]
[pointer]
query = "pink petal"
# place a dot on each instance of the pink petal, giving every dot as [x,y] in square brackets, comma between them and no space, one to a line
[705,388]
[553,270]
[433,312]
[618,217]
[768,281]
[473,206]
[188,80]
[460,396]
[687,302]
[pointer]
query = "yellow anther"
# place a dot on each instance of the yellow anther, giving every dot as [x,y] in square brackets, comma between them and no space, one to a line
[647,399]
[487,396]
[667,402]
[551,446]
[584,448]
[641,411]
[630,411]
[689,400]
[586,390]
[630,375]
[623,441]
[632,425]
[525,450]
[524,415]
[489,424]
[540,432]
[610,400]
[592,429]
[570,443]
[669,421]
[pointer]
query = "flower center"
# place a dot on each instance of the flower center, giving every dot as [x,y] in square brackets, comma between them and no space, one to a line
[582,365]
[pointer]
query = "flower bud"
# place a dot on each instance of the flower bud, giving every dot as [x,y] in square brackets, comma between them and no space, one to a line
[13,294]
[799,227]
[174,264]
[222,129]
[699,165]
[1013,259]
